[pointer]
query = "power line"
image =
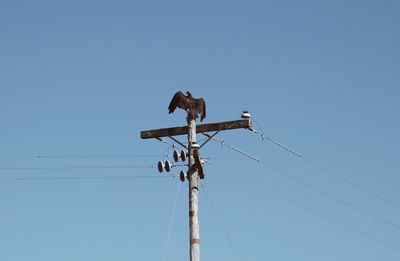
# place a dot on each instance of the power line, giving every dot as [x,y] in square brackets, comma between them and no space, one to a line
[83,178]
[328,194]
[94,156]
[222,142]
[328,171]
[322,215]
[357,186]
[265,137]
[315,188]
[332,196]
[171,221]
[77,156]
[77,167]
[165,155]
[235,249]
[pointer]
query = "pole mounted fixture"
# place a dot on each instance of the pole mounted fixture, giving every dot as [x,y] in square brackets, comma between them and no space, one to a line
[193,107]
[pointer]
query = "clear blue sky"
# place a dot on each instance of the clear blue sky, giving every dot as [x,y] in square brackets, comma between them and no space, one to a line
[84,77]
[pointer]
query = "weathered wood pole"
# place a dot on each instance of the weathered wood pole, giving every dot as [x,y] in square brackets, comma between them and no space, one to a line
[193,178]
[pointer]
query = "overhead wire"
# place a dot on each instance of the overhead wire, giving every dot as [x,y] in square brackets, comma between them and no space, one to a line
[353,184]
[264,136]
[315,188]
[73,177]
[171,221]
[83,178]
[94,156]
[328,194]
[345,202]
[77,167]
[222,142]
[77,156]
[222,223]
[337,222]
[328,171]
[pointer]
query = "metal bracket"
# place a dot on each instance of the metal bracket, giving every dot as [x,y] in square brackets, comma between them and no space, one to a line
[210,137]
[177,141]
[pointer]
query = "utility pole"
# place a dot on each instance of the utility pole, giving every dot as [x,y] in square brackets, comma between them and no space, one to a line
[195,169]
[194,180]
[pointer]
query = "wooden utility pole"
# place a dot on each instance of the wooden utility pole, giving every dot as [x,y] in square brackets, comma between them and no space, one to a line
[193,177]
[195,168]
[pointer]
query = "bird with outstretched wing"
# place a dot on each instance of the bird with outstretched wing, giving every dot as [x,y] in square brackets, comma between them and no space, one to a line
[191,105]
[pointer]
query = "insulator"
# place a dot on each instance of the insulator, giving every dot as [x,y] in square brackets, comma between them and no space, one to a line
[160,166]
[182,176]
[175,156]
[167,166]
[245,115]
[183,155]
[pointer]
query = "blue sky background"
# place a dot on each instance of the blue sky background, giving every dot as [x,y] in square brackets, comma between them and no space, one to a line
[85,77]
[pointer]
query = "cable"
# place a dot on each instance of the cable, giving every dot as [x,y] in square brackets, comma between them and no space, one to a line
[222,224]
[360,188]
[94,156]
[337,199]
[265,137]
[232,148]
[83,178]
[328,171]
[322,215]
[328,194]
[283,146]
[171,221]
[76,167]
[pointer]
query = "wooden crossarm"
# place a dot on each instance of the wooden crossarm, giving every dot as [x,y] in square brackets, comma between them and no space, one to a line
[183,130]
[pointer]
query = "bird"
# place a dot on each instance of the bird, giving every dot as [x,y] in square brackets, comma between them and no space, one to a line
[191,105]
